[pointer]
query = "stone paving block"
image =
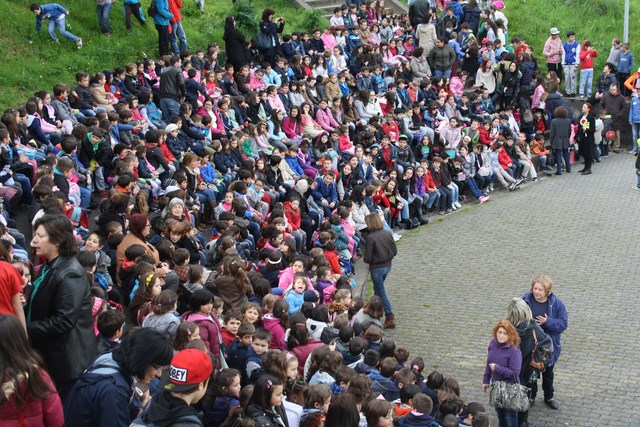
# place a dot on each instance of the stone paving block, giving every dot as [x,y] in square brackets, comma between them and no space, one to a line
[452,280]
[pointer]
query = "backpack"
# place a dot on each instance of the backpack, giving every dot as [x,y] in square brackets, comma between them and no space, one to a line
[152,11]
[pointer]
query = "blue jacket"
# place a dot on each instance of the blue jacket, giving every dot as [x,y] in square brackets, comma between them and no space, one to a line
[557,321]
[220,409]
[294,165]
[208,173]
[634,110]
[412,419]
[625,62]
[163,15]
[324,191]
[295,301]
[102,389]
[51,11]
[389,390]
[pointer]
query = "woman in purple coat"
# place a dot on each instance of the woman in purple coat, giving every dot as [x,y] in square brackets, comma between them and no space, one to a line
[504,361]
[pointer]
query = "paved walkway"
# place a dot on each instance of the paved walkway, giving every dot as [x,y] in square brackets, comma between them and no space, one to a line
[452,280]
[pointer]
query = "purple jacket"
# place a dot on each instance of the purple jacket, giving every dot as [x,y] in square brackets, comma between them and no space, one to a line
[508,360]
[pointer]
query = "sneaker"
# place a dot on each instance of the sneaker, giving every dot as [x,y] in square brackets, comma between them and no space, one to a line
[453,207]
[483,199]
[458,205]
[511,187]
[536,179]
[56,41]
[396,237]
[79,43]
[520,181]
[632,151]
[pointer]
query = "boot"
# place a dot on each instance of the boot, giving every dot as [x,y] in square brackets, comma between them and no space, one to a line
[424,220]
[390,322]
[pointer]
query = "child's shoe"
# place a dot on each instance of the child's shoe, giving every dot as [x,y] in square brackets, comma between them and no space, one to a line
[79,43]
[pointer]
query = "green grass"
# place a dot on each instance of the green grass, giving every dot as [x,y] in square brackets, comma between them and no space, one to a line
[29,67]
[596,20]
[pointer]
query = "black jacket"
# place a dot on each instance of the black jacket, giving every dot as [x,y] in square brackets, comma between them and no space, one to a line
[172,83]
[380,249]
[60,324]
[234,46]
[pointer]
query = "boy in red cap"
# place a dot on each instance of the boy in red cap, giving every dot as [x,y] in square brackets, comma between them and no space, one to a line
[186,384]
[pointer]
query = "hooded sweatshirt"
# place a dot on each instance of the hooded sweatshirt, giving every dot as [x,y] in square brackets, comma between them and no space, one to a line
[417,419]
[166,410]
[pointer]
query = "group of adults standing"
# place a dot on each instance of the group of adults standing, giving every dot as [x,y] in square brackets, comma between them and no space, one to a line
[538,318]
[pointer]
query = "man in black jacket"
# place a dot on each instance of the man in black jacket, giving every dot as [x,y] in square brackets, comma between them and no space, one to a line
[172,89]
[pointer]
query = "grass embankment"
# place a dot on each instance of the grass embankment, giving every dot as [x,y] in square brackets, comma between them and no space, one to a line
[32,62]
[596,20]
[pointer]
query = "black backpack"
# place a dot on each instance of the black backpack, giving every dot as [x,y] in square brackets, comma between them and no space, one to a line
[153,10]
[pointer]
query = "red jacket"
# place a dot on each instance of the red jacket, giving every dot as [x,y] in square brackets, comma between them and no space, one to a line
[293,216]
[168,155]
[209,331]
[37,413]
[381,199]
[392,130]
[485,136]
[429,181]
[332,260]
[174,8]
[504,159]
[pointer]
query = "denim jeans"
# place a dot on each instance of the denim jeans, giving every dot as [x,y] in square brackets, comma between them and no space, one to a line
[25,183]
[405,209]
[62,27]
[177,33]
[441,73]
[586,78]
[170,107]
[378,276]
[473,187]
[85,197]
[507,417]
[104,11]
[562,153]
[635,131]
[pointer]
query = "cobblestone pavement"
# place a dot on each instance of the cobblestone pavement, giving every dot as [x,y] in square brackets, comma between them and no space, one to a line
[452,280]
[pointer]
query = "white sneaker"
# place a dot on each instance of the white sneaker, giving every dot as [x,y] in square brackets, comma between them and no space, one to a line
[454,207]
[483,199]
[396,237]
[458,205]
[79,43]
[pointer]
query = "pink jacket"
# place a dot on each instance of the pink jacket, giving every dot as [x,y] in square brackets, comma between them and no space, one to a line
[45,125]
[537,94]
[456,86]
[278,340]
[217,125]
[285,279]
[326,120]
[329,41]
[38,412]
[291,128]
[276,103]
[553,50]
[210,332]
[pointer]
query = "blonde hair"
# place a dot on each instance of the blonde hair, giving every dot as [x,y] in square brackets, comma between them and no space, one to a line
[518,312]
[545,281]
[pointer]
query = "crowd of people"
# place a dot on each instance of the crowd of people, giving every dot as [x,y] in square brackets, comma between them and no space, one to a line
[196,220]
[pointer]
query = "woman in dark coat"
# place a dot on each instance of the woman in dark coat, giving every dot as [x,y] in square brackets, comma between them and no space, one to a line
[271,29]
[585,135]
[472,15]
[379,251]
[560,138]
[59,319]
[234,44]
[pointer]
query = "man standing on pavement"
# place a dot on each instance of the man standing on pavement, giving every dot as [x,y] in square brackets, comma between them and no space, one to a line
[614,105]
[172,88]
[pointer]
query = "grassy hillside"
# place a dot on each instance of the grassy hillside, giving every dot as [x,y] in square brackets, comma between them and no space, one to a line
[596,20]
[33,62]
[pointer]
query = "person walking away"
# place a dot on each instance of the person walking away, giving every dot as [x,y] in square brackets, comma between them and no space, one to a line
[553,52]
[56,15]
[570,61]
[379,251]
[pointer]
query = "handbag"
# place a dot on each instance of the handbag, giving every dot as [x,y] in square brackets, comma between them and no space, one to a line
[539,356]
[264,41]
[504,395]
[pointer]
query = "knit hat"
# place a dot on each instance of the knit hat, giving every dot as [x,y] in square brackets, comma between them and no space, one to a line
[188,369]
[302,186]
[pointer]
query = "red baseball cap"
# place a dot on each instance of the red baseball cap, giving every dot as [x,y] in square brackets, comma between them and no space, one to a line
[188,369]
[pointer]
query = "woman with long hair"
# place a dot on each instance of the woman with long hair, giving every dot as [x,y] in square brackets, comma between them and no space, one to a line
[271,27]
[234,43]
[28,394]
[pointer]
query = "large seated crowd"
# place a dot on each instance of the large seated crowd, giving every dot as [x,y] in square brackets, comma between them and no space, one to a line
[206,217]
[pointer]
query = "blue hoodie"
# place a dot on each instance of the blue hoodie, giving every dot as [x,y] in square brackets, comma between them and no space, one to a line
[52,12]
[163,15]
[416,419]
[389,390]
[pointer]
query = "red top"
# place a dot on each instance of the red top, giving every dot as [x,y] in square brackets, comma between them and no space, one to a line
[38,413]
[10,285]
